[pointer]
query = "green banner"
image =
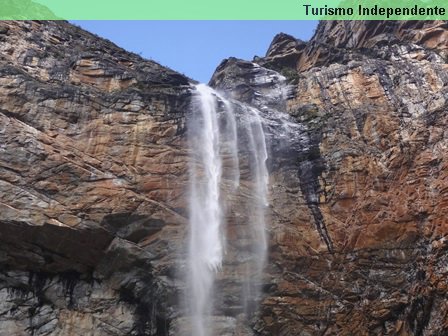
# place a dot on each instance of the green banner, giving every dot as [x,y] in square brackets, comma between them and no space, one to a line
[223,10]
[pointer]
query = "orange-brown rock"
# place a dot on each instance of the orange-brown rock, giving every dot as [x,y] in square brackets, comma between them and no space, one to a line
[94,183]
[92,169]
[358,239]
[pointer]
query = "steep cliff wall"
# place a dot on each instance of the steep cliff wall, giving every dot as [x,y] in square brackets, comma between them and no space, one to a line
[92,168]
[359,237]
[93,180]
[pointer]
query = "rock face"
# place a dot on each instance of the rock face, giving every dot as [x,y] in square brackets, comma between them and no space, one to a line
[92,169]
[93,182]
[358,240]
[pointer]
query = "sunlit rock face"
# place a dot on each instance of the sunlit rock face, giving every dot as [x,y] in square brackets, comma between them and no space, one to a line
[358,241]
[94,184]
[93,169]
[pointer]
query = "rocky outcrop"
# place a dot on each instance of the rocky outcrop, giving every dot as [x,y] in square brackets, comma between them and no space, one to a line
[93,183]
[92,169]
[358,237]
[283,53]
[345,41]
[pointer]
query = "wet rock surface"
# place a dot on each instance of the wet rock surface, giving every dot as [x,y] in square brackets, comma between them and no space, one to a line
[93,183]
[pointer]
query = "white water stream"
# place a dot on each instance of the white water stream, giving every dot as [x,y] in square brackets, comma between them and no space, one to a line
[214,139]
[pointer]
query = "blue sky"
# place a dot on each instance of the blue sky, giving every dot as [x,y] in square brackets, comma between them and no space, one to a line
[195,48]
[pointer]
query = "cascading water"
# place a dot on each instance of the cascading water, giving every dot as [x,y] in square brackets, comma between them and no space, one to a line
[257,225]
[217,136]
[205,246]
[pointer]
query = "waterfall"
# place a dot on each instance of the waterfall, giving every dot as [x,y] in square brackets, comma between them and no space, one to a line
[257,225]
[219,131]
[206,245]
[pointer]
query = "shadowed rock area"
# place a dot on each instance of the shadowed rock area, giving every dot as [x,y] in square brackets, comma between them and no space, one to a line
[94,183]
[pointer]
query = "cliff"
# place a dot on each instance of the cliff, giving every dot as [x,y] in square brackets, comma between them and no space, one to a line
[94,177]
[92,164]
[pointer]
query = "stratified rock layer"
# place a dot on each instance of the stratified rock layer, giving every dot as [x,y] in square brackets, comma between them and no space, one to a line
[93,183]
[358,235]
[92,175]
